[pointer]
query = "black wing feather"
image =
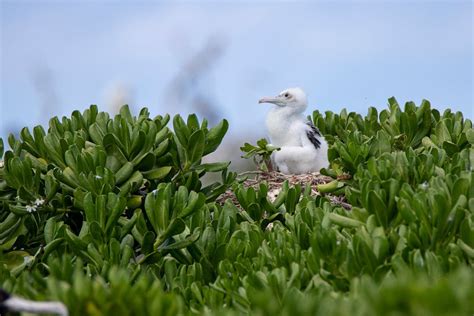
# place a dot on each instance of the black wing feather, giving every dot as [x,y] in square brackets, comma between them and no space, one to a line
[3,297]
[313,135]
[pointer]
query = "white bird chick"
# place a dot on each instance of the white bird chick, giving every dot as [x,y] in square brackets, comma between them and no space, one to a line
[303,148]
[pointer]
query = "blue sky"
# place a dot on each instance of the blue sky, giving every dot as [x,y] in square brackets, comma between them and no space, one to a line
[57,56]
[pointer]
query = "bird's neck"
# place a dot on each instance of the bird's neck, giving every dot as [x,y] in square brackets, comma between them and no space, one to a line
[279,122]
[285,112]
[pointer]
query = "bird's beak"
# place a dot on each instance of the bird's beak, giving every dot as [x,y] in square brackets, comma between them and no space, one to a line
[274,100]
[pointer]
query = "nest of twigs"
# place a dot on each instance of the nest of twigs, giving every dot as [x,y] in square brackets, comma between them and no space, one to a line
[275,181]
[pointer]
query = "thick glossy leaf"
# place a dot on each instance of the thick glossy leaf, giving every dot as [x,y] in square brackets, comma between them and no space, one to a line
[177,226]
[182,243]
[158,173]
[212,167]
[214,136]
[378,207]
[196,146]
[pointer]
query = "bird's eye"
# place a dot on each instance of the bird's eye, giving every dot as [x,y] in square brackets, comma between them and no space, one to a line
[286,95]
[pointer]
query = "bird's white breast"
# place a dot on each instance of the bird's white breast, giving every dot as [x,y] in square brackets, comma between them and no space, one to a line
[285,128]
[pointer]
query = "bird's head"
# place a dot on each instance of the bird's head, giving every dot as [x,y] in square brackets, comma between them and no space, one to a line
[294,98]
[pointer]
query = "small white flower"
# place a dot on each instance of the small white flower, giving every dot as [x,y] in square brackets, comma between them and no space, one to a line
[30,208]
[38,202]
[424,185]
[28,259]
[98,177]
[269,226]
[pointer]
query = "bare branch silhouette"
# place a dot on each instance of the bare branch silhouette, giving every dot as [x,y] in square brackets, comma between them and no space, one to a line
[192,86]
[43,81]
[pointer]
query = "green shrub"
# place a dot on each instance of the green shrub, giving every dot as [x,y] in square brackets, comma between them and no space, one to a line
[110,216]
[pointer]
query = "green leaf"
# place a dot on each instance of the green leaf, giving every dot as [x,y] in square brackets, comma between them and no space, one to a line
[75,242]
[344,221]
[177,226]
[157,173]
[212,167]
[89,208]
[52,246]
[10,225]
[124,173]
[195,202]
[114,211]
[14,259]
[181,243]
[469,135]
[450,148]
[214,137]
[196,146]
[181,131]
[132,184]
[330,186]
[378,207]
[469,251]
[193,122]
[147,244]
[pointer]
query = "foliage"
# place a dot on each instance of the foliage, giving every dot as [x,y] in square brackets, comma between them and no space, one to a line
[108,190]
[109,216]
[260,154]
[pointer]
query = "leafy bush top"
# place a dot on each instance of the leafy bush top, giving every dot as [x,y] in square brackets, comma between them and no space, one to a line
[110,216]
